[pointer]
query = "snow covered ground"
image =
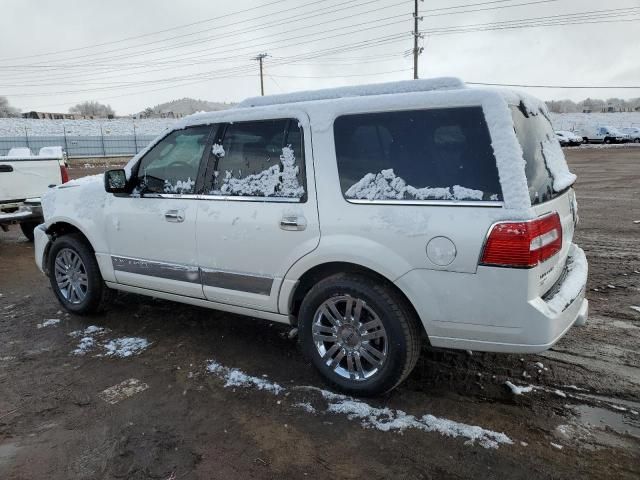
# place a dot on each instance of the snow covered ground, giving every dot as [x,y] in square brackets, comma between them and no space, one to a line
[15,127]
[577,121]
[10,127]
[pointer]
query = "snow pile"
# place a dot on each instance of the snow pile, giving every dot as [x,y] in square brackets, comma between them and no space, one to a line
[383,419]
[574,282]
[557,164]
[277,180]
[217,150]
[16,127]
[48,323]
[387,186]
[237,378]
[181,186]
[124,347]
[518,390]
[118,347]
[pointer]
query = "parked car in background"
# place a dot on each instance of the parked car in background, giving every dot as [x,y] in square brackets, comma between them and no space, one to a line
[633,133]
[605,134]
[24,177]
[422,209]
[565,137]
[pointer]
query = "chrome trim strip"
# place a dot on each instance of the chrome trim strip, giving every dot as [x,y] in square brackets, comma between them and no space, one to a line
[441,203]
[170,271]
[244,282]
[222,197]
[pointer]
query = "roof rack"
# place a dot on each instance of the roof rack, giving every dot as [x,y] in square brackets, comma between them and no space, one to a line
[405,86]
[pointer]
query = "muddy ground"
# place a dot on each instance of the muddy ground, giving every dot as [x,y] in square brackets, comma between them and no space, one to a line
[578,421]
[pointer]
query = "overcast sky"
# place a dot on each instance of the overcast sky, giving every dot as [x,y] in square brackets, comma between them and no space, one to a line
[311,43]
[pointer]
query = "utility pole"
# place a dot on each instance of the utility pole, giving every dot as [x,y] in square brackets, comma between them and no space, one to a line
[416,36]
[259,58]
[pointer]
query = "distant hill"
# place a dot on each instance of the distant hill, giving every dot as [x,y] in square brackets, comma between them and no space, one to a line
[187,106]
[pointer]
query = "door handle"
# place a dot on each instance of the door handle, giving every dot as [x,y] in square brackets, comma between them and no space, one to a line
[293,223]
[176,216]
[6,168]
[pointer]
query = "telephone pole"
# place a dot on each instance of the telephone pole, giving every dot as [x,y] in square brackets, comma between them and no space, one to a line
[259,58]
[416,36]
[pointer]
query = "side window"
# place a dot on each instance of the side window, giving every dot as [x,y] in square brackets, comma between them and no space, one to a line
[260,159]
[172,165]
[438,154]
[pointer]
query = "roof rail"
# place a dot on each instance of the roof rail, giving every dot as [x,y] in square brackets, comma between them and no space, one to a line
[405,86]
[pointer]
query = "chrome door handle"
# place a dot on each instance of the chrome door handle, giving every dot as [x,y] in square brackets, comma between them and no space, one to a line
[293,223]
[176,216]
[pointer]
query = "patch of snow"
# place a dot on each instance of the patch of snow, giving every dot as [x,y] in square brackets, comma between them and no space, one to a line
[574,282]
[387,186]
[518,390]
[84,345]
[237,378]
[48,323]
[556,163]
[560,393]
[217,150]
[556,446]
[180,187]
[539,365]
[124,347]
[277,180]
[306,406]
[635,308]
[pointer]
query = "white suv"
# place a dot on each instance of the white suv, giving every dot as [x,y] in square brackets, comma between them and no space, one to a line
[369,217]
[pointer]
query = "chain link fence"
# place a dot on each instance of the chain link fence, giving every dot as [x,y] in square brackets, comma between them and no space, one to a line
[81,146]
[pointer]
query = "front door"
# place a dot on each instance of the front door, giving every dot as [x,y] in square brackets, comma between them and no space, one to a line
[152,232]
[260,214]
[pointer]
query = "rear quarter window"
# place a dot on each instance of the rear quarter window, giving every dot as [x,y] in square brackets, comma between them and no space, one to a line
[436,154]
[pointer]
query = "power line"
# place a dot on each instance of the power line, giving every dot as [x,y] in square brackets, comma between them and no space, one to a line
[521,85]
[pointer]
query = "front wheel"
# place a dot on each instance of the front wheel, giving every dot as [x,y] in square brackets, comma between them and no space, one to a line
[359,333]
[75,276]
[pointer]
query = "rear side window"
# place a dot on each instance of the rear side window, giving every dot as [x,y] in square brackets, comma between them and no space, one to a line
[538,141]
[260,159]
[438,154]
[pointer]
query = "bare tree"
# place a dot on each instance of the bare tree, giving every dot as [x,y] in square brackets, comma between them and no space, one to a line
[93,109]
[7,110]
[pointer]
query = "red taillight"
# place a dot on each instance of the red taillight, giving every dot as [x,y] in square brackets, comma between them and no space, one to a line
[523,244]
[64,174]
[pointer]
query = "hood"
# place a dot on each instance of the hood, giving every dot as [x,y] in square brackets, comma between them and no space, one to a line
[82,197]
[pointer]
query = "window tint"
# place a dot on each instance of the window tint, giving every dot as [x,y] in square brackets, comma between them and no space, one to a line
[537,139]
[440,154]
[172,165]
[260,159]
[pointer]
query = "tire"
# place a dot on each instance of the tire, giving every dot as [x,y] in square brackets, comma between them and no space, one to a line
[91,294]
[607,140]
[393,332]
[27,229]
[585,139]
[636,140]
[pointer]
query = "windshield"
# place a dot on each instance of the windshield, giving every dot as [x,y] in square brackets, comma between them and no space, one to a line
[538,140]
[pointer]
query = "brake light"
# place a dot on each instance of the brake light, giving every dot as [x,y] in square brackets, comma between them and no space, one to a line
[523,244]
[64,174]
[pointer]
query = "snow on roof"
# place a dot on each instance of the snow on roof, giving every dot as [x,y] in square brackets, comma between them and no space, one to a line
[405,86]
[24,153]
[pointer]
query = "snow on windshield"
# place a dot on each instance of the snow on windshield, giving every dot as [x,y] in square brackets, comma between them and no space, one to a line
[387,186]
[181,186]
[277,180]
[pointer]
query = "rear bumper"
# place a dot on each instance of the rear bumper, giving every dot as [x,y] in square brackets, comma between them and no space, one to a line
[487,311]
[24,211]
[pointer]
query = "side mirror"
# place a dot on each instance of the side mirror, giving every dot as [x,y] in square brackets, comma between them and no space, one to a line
[115,181]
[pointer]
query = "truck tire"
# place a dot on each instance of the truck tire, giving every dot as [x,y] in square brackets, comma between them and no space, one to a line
[359,333]
[75,276]
[27,229]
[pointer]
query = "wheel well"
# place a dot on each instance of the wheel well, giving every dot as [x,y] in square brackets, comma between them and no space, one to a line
[317,273]
[60,229]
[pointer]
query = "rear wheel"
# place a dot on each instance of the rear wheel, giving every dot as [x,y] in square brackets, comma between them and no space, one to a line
[27,229]
[360,334]
[75,277]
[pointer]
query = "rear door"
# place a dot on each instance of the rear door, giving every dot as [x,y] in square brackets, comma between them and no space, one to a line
[259,215]
[27,177]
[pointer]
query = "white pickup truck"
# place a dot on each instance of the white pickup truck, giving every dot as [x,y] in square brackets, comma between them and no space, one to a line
[24,177]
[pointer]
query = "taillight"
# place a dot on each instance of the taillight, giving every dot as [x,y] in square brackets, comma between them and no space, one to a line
[523,244]
[64,174]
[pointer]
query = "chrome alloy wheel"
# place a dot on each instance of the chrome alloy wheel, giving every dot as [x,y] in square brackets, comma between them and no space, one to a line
[350,337]
[71,276]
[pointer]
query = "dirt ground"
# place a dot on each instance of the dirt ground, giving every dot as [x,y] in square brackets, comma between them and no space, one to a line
[581,419]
